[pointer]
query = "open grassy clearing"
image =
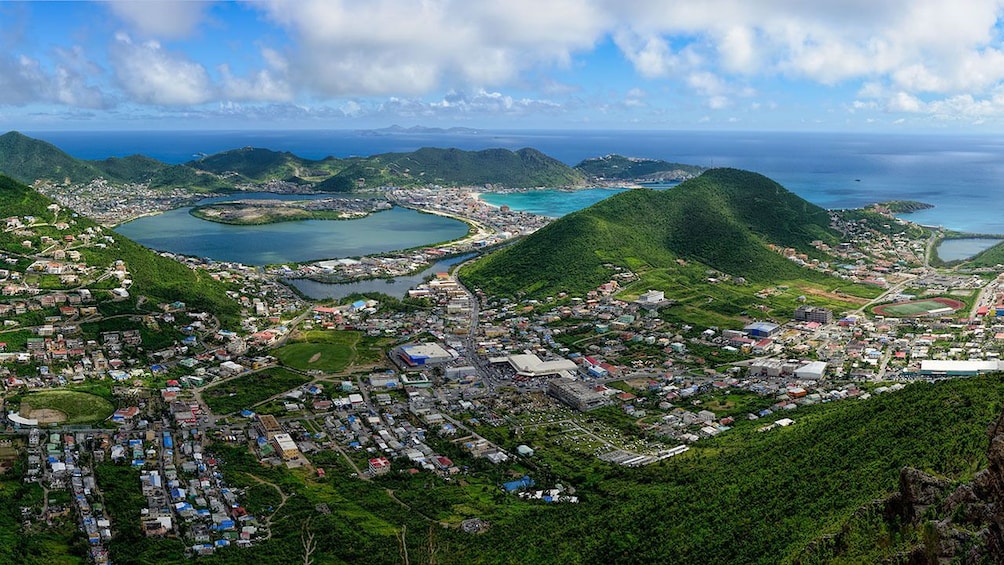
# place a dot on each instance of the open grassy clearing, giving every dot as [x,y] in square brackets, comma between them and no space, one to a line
[249,390]
[77,407]
[331,351]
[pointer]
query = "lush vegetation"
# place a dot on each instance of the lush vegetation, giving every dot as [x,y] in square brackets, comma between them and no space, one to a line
[134,168]
[124,500]
[28,159]
[455,167]
[320,350]
[158,278]
[245,391]
[743,497]
[78,407]
[259,165]
[59,543]
[904,206]
[723,219]
[618,167]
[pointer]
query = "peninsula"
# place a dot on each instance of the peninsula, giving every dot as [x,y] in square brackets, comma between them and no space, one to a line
[256,212]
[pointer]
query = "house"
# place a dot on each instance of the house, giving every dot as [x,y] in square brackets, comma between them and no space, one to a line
[379,466]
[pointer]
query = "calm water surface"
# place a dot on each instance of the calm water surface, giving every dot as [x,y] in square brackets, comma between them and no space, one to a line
[958,249]
[290,242]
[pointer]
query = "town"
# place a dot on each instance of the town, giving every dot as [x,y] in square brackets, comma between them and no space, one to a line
[436,381]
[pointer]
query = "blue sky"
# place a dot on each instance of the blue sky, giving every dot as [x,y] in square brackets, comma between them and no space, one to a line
[840,65]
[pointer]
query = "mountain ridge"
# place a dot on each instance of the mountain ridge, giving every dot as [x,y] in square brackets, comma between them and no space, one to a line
[725,219]
[27,160]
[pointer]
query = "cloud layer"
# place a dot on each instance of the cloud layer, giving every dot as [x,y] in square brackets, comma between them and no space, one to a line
[457,57]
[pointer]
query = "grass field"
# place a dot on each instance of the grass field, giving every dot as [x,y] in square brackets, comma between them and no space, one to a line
[917,307]
[78,407]
[328,357]
[249,390]
[330,351]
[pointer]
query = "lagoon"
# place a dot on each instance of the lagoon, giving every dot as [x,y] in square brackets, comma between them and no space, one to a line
[959,249]
[178,231]
[396,287]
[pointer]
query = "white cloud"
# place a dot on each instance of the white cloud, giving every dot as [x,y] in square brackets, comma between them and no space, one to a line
[163,19]
[150,74]
[404,47]
[24,80]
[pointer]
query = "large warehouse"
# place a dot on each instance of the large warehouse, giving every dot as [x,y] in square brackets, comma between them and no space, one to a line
[529,365]
[959,368]
[425,354]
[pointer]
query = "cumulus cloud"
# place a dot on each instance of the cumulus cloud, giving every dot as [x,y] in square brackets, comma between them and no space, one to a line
[150,74]
[71,84]
[24,81]
[162,19]
[403,47]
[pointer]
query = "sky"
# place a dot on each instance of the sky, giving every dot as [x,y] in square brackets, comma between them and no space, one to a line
[765,65]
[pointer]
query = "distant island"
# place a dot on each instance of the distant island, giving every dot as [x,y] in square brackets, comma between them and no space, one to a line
[257,212]
[902,206]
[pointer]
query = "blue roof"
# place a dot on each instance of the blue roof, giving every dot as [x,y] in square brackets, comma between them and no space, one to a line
[525,482]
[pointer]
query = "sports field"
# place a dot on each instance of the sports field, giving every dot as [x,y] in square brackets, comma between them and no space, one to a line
[917,308]
[65,406]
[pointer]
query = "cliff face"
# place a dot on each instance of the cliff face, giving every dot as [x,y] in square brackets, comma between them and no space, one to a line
[932,520]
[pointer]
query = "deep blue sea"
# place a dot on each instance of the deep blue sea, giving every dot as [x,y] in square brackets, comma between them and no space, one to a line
[962,175]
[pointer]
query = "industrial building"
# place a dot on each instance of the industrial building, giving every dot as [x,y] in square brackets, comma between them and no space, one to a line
[813,314]
[529,365]
[285,446]
[268,425]
[811,371]
[938,368]
[576,394]
[424,354]
[762,329]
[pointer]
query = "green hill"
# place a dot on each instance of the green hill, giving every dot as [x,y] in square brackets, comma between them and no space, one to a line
[134,168]
[618,167]
[525,168]
[723,219]
[27,160]
[260,165]
[158,278]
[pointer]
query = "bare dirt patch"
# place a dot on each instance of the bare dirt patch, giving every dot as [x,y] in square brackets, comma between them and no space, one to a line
[835,295]
[47,416]
[314,357]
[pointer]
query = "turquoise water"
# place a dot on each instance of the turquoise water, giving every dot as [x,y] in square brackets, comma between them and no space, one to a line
[957,249]
[555,203]
[961,175]
[178,231]
[552,203]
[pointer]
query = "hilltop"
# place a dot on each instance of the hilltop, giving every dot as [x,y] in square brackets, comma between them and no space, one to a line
[618,167]
[27,160]
[724,220]
[525,168]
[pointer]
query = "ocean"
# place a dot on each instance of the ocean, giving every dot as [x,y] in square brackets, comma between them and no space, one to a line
[961,175]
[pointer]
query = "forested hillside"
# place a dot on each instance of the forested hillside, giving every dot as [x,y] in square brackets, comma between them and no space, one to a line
[723,219]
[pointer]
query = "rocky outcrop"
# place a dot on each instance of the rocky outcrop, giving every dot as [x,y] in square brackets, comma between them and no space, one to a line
[961,523]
